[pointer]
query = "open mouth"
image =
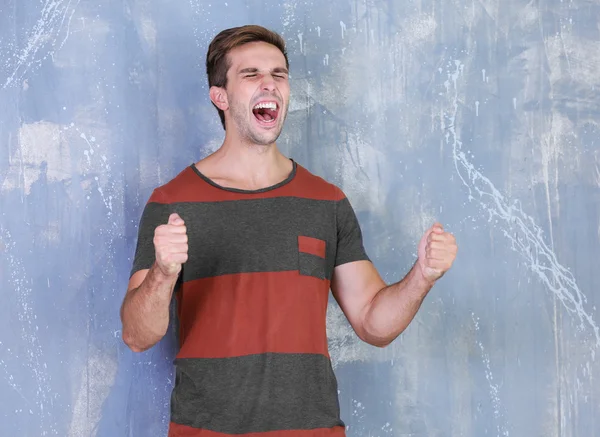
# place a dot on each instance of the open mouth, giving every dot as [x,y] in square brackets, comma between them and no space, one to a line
[266,112]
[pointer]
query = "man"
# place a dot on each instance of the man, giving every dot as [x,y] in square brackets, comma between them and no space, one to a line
[250,243]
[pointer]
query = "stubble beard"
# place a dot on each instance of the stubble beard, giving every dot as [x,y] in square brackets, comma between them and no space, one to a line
[244,126]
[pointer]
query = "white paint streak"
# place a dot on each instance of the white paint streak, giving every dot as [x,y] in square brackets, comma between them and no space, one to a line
[46,32]
[9,377]
[300,42]
[96,380]
[289,15]
[525,236]
[494,391]
[206,28]
[343,27]
[105,166]
[148,31]
[33,365]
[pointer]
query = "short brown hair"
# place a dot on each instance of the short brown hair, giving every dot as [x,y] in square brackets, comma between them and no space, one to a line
[217,62]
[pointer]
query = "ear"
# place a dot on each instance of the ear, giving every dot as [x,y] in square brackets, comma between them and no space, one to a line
[218,96]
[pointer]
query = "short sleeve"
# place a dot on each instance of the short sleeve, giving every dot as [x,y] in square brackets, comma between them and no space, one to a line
[349,235]
[156,212]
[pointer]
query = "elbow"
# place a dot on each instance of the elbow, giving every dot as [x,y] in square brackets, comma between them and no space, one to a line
[378,338]
[372,331]
[135,348]
[377,341]
[373,339]
[382,344]
[132,343]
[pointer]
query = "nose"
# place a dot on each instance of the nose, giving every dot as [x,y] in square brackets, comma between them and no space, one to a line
[268,83]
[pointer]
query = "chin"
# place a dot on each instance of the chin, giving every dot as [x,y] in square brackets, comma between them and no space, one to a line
[265,138]
[265,135]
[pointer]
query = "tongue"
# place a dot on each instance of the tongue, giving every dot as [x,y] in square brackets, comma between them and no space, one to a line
[265,114]
[270,114]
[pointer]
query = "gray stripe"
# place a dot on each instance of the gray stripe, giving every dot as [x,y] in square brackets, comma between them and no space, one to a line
[256,393]
[259,235]
[311,265]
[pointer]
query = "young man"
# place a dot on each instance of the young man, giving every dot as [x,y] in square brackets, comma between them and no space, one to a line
[250,243]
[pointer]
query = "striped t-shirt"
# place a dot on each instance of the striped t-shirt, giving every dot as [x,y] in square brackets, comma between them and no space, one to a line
[252,303]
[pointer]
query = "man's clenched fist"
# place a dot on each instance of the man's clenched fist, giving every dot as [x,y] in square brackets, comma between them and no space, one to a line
[437,251]
[171,245]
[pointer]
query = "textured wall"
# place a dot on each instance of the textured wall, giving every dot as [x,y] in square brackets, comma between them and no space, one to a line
[483,114]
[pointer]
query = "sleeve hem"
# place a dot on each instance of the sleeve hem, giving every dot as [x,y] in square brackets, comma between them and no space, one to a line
[343,261]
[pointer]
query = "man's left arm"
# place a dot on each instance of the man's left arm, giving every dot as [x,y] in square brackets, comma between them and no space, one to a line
[379,313]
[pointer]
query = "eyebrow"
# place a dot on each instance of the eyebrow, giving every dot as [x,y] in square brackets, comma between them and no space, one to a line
[255,70]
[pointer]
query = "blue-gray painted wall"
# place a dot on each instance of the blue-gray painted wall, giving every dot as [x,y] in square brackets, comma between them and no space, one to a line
[482,114]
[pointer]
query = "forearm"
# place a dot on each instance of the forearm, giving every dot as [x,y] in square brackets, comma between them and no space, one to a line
[145,311]
[394,307]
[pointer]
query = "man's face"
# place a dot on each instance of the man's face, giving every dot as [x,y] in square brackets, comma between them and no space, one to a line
[258,92]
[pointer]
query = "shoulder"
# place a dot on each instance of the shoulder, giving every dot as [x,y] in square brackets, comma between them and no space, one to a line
[318,185]
[172,190]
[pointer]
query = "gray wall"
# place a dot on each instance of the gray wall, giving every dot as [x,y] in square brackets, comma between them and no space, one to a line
[482,114]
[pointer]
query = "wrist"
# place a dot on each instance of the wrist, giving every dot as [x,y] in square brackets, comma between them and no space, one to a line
[162,277]
[422,281]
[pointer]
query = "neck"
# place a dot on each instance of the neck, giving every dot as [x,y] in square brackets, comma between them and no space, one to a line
[253,165]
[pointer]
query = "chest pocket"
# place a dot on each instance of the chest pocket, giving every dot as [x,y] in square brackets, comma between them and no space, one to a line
[312,260]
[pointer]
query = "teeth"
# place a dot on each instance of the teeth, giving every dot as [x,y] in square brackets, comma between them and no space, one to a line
[266,105]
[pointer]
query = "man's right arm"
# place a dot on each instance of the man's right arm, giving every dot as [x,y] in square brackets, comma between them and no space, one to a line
[145,309]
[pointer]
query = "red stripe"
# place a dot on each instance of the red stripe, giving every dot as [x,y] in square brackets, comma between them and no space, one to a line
[188,186]
[157,196]
[176,430]
[311,245]
[252,313]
